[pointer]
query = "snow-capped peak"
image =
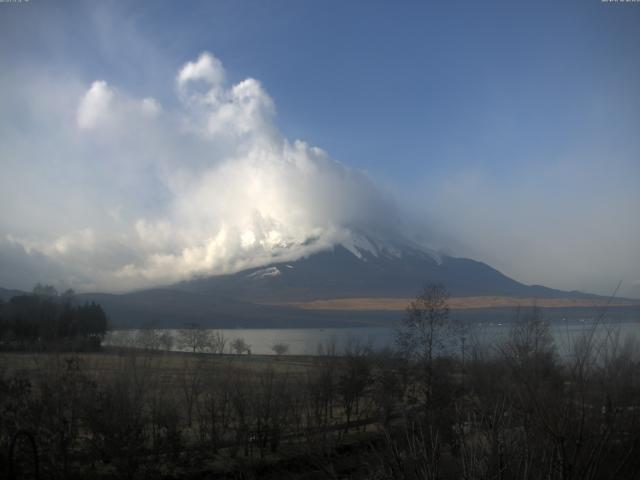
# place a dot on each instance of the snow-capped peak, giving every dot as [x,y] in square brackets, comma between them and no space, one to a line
[366,245]
[265,273]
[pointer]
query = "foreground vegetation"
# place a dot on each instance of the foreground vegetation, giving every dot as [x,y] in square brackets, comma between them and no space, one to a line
[512,411]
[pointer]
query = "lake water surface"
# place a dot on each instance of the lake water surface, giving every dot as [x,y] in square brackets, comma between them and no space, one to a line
[305,341]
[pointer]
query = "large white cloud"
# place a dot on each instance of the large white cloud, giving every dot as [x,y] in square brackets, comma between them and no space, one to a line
[208,187]
[206,68]
[102,108]
[95,105]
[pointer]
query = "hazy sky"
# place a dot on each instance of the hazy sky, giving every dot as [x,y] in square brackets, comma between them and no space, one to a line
[145,142]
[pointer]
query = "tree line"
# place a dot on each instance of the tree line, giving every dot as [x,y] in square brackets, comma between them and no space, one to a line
[191,338]
[48,320]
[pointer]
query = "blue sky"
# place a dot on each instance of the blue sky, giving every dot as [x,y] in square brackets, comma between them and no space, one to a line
[505,131]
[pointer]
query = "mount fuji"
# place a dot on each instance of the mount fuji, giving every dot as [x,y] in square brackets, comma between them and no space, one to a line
[365,266]
[341,285]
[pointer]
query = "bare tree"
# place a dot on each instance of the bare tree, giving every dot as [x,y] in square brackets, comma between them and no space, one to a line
[386,385]
[530,337]
[147,339]
[191,383]
[354,379]
[218,342]
[280,348]
[422,332]
[267,400]
[116,417]
[122,339]
[240,423]
[166,340]
[320,393]
[195,338]
[215,411]
[239,346]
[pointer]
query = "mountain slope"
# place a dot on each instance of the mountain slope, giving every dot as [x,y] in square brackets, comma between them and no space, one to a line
[361,268]
[267,296]
[339,273]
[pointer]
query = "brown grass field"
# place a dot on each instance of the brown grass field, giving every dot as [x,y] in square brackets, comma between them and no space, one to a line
[455,303]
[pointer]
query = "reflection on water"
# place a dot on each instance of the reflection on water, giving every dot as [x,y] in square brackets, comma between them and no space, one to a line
[305,341]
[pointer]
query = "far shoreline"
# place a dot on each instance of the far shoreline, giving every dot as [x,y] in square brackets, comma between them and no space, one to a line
[458,303]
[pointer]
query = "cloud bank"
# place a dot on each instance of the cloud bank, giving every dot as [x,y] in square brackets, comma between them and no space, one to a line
[123,193]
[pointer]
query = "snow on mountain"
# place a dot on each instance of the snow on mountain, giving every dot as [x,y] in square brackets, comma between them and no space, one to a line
[392,246]
[265,273]
[358,266]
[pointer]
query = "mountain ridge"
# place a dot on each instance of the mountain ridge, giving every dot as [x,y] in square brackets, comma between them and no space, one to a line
[282,293]
[340,273]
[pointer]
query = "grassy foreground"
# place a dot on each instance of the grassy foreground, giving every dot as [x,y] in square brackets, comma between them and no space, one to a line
[517,411]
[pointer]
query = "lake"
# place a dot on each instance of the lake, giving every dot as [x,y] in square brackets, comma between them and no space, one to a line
[305,341]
